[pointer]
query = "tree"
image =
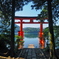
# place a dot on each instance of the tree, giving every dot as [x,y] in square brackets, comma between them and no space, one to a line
[55,13]
[46,31]
[56,36]
[7,6]
[56,32]
[4,29]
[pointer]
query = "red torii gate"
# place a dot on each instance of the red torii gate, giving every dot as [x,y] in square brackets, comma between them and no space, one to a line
[21,22]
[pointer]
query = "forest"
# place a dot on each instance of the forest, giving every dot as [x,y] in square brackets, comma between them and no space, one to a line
[31,30]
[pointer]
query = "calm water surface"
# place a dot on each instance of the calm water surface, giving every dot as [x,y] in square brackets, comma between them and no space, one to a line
[31,38]
[28,41]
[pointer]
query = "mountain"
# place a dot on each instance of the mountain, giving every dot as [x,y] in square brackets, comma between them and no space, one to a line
[31,30]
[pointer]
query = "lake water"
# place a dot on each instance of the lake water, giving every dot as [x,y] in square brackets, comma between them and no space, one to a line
[31,38]
[28,41]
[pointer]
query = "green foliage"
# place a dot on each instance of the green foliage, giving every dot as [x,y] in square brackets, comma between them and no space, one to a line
[46,31]
[56,34]
[5,17]
[18,37]
[18,41]
[21,42]
[43,15]
[38,4]
[55,11]
[3,48]
[5,30]
[6,40]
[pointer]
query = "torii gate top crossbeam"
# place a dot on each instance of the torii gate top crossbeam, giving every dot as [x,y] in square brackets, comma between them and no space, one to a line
[25,17]
[28,18]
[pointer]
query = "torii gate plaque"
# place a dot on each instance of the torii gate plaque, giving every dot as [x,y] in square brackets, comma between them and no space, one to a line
[21,22]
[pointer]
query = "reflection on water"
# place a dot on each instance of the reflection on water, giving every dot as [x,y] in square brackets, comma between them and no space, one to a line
[31,35]
[31,38]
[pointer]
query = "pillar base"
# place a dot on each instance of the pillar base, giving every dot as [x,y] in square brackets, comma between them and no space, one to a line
[20,47]
[42,43]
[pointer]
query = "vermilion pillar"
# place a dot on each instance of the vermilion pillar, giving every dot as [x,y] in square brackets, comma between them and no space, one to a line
[20,33]
[21,26]
[41,29]
[41,38]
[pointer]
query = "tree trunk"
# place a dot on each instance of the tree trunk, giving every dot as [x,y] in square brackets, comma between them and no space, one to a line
[52,43]
[12,28]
